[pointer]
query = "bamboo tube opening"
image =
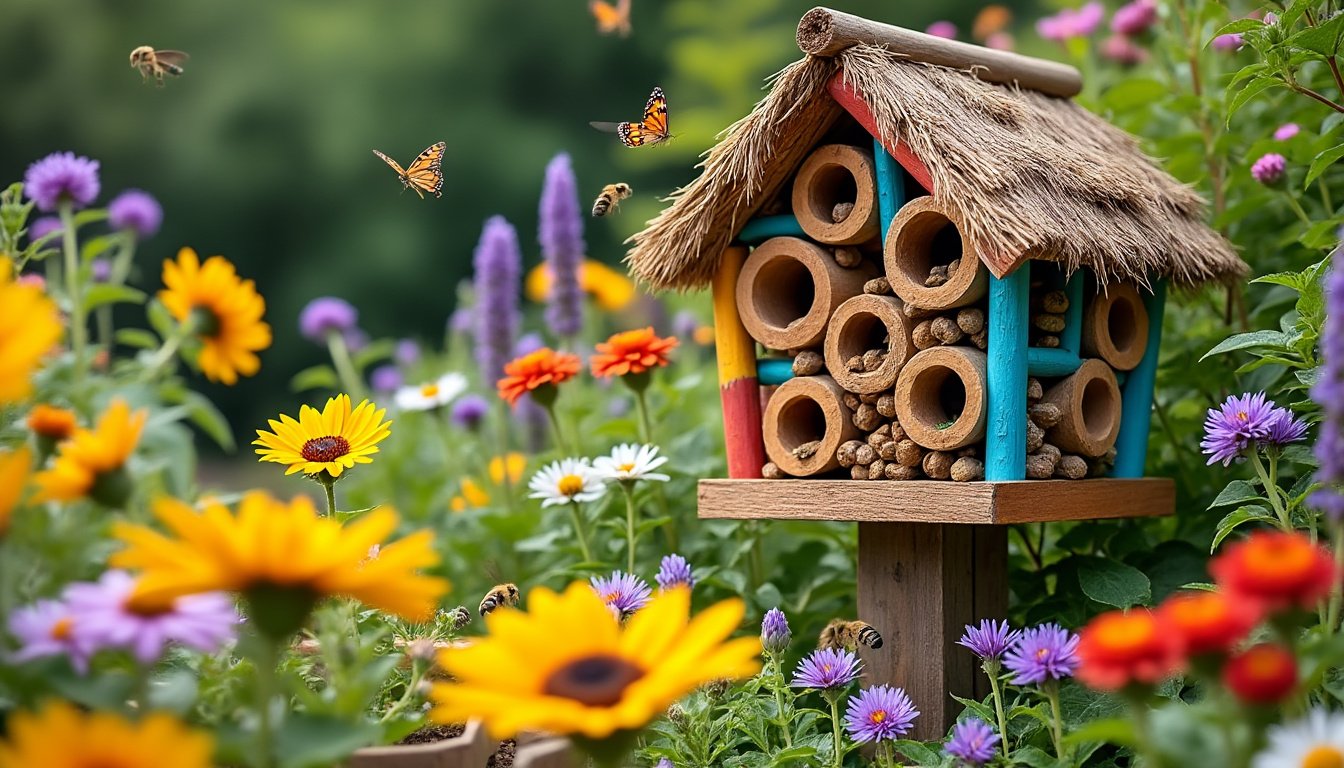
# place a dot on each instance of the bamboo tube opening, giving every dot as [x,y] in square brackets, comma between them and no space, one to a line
[836,174]
[861,324]
[925,235]
[940,397]
[804,424]
[788,290]
[1115,327]
[1089,401]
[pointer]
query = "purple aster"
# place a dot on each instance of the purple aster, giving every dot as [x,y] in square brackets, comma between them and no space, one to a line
[826,668]
[43,226]
[624,593]
[942,28]
[324,315]
[106,618]
[1132,19]
[880,713]
[408,352]
[46,628]
[101,270]
[1284,428]
[498,268]
[1286,131]
[386,378]
[560,232]
[663,762]
[59,177]
[1329,392]
[990,639]
[469,411]
[1269,169]
[973,742]
[1047,652]
[775,635]
[135,211]
[674,571]
[1236,426]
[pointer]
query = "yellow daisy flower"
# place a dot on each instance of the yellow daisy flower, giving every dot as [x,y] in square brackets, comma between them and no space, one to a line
[510,465]
[228,310]
[568,667]
[610,288]
[282,557]
[61,736]
[14,466]
[90,463]
[471,497]
[331,440]
[29,327]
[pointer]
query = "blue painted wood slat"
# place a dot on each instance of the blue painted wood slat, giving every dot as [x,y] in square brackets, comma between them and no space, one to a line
[1006,426]
[1136,413]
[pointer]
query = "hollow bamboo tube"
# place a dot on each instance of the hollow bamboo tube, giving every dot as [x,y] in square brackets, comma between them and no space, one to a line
[1115,327]
[739,392]
[788,290]
[925,234]
[941,397]
[804,423]
[1090,403]
[859,325]
[832,174]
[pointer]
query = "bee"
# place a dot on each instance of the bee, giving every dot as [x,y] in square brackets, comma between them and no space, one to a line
[849,635]
[498,597]
[611,197]
[157,63]
[458,618]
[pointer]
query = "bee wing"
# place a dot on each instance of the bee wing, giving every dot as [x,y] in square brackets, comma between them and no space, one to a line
[606,127]
[175,58]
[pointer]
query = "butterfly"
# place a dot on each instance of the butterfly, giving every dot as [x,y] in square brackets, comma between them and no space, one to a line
[424,174]
[611,18]
[651,130]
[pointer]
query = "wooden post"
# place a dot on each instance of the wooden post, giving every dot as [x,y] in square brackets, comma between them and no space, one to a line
[738,388]
[890,186]
[1006,436]
[1131,446]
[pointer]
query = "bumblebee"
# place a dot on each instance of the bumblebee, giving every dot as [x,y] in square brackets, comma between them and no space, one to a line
[610,198]
[849,635]
[498,597]
[156,63]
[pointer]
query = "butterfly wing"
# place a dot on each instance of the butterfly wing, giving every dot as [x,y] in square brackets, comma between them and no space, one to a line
[652,129]
[607,16]
[606,127]
[395,165]
[425,173]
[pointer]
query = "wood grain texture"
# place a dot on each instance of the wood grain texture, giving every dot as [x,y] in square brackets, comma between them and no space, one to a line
[916,242]
[859,325]
[825,32]
[807,410]
[857,108]
[920,392]
[989,594]
[788,289]
[1006,432]
[827,177]
[937,501]
[548,753]
[890,186]
[1115,327]
[1089,400]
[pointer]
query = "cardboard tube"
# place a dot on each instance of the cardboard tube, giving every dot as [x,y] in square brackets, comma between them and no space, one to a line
[837,173]
[941,397]
[859,325]
[1115,327]
[805,410]
[789,288]
[1090,403]
[925,234]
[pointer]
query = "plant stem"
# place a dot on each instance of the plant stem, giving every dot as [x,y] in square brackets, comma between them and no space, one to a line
[506,482]
[1309,93]
[1151,758]
[345,365]
[555,429]
[991,668]
[417,671]
[266,661]
[166,352]
[579,531]
[78,326]
[1051,690]
[645,428]
[629,491]
[1336,594]
[1268,480]
[1297,208]
[838,753]
[777,683]
[329,485]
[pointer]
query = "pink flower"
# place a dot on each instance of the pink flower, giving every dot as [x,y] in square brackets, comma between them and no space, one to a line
[942,28]
[1268,170]
[1286,132]
[1134,18]
[1001,41]
[1122,50]
[1072,22]
[1227,43]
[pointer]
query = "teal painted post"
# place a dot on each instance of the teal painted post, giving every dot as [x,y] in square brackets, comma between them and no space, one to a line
[890,186]
[1006,428]
[1047,362]
[1136,401]
[763,228]
[771,371]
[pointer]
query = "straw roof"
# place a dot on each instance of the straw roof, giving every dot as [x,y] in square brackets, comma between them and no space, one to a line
[1030,175]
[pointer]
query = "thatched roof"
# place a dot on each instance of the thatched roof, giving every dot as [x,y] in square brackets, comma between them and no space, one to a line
[1031,175]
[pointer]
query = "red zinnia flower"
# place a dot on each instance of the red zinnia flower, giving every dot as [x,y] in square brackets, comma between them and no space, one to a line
[1263,674]
[632,352]
[1277,570]
[536,369]
[1116,649]
[1209,622]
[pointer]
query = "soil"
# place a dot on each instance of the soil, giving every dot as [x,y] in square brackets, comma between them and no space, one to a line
[433,733]
[503,757]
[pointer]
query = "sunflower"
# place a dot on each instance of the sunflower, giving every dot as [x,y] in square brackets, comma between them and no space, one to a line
[227,311]
[61,736]
[610,288]
[537,372]
[632,353]
[14,467]
[282,557]
[568,667]
[331,440]
[91,462]
[29,327]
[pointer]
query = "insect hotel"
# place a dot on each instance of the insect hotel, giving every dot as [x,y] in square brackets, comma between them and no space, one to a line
[938,289]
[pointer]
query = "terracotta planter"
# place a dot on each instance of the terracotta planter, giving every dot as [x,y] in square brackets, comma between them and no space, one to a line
[470,750]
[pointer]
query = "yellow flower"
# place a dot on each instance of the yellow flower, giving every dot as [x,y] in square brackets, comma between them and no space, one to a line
[54,424]
[331,440]
[14,466]
[704,335]
[610,288]
[29,327]
[61,736]
[568,667]
[272,550]
[471,497]
[516,463]
[90,462]
[228,310]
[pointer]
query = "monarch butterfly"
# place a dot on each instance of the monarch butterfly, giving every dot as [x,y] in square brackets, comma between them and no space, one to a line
[423,175]
[611,18]
[651,130]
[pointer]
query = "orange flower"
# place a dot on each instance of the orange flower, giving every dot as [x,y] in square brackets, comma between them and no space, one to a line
[542,368]
[1263,674]
[1209,622]
[1277,570]
[55,424]
[1117,649]
[632,352]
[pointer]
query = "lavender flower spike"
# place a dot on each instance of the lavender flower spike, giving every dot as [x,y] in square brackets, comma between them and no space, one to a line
[61,176]
[1046,652]
[826,669]
[560,231]
[775,635]
[1329,392]
[498,268]
[973,742]
[989,640]
[880,713]
[674,571]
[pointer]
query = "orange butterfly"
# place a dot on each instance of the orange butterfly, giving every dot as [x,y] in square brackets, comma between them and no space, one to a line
[424,174]
[611,18]
[651,130]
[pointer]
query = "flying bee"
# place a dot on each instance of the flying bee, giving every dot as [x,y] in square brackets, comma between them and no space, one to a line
[849,635]
[498,597]
[157,63]
[610,198]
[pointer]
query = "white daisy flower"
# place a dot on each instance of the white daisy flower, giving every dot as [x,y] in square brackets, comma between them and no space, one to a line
[631,462]
[432,395]
[1316,740]
[561,482]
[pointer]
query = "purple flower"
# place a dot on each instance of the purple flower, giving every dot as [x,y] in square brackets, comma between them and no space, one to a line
[663,762]
[775,635]
[498,268]
[355,339]
[826,668]
[1072,22]
[135,211]
[324,315]
[1122,50]
[973,742]
[674,571]
[1133,19]
[1268,170]
[469,411]
[880,713]
[1047,652]
[942,28]
[386,378]
[46,628]
[1236,426]
[527,344]
[59,177]
[1227,43]
[990,639]
[407,353]
[1286,131]
[684,324]
[560,231]
[106,617]
[1284,428]
[43,226]
[624,593]
[101,270]
[462,321]
[1329,392]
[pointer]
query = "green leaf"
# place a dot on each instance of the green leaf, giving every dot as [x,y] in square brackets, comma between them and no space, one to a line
[1250,340]
[1236,492]
[316,377]
[917,752]
[783,756]
[1034,757]
[1112,731]
[1237,517]
[380,349]
[1323,161]
[159,319]
[90,216]
[1113,583]
[137,337]
[310,741]
[1252,89]
[1128,94]
[1292,280]
[979,708]
[1237,27]
[1322,38]
[204,414]
[96,246]
[106,293]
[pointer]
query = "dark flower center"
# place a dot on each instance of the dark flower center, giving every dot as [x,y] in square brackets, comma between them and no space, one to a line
[328,448]
[597,681]
[204,321]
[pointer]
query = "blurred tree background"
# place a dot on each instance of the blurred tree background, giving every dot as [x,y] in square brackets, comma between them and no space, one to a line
[261,151]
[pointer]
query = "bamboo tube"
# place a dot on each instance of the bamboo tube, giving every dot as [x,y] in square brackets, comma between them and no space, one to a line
[924,234]
[1115,327]
[834,174]
[859,325]
[804,425]
[789,288]
[1089,402]
[941,397]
